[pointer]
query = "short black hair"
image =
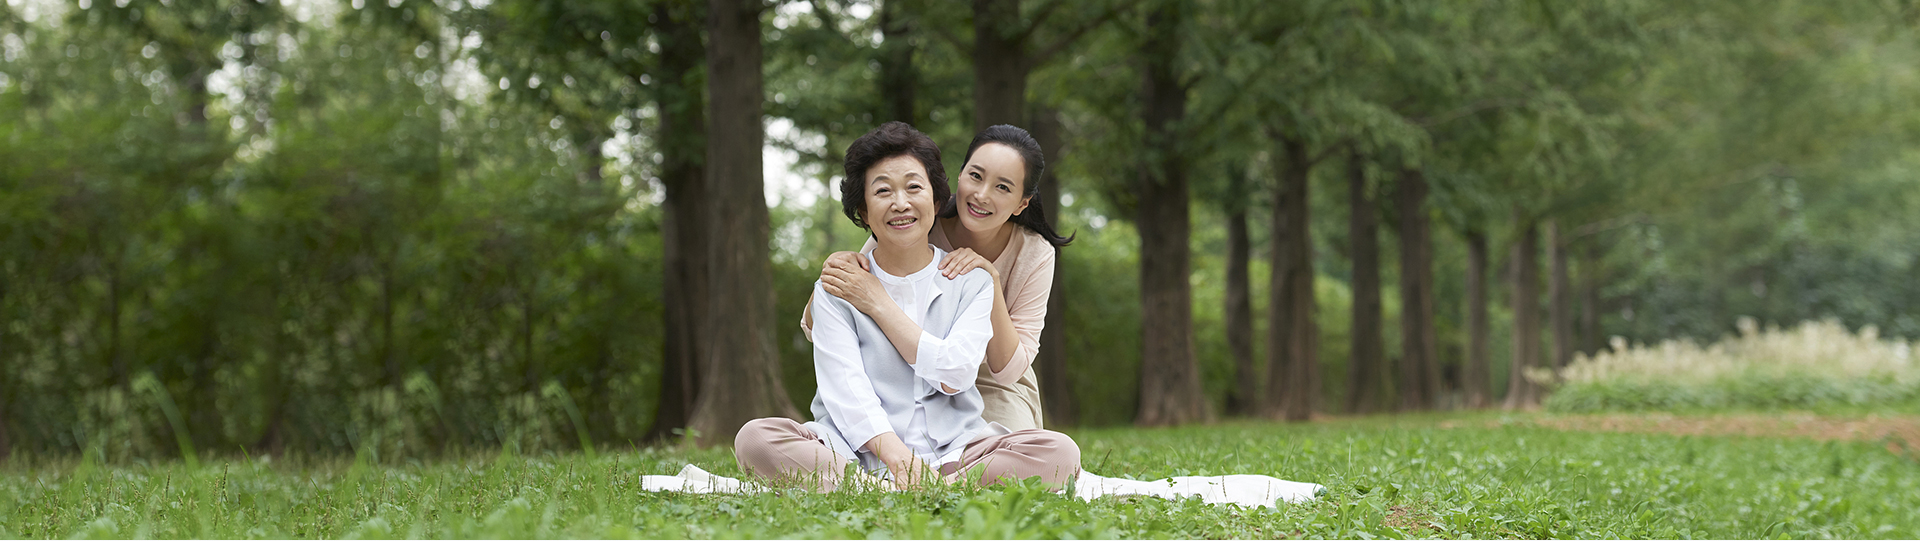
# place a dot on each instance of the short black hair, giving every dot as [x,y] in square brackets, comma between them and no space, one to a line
[887,141]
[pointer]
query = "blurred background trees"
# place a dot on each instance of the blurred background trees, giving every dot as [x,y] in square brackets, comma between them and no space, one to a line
[397,227]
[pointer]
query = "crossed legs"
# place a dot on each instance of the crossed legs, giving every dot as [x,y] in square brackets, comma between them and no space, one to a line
[785,451]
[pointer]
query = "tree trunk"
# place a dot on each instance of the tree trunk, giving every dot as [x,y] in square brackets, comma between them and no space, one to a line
[1478,376]
[1559,299]
[531,368]
[682,109]
[1590,341]
[1526,316]
[1169,373]
[6,388]
[1000,64]
[1293,363]
[1365,370]
[739,366]
[121,371]
[274,385]
[1050,366]
[898,74]
[592,162]
[1420,374]
[388,354]
[1240,311]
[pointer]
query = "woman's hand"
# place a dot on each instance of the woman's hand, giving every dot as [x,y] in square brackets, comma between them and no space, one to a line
[850,281]
[964,260]
[907,469]
[843,259]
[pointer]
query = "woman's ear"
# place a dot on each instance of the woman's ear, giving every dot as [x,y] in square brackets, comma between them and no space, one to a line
[1024,201]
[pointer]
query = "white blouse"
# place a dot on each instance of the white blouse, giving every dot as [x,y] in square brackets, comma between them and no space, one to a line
[945,362]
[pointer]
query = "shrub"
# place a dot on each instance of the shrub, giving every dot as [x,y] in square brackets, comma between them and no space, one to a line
[1817,365]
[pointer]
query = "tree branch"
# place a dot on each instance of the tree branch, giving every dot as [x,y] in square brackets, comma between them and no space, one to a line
[1470,110]
[830,21]
[1040,17]
[1595,228]
[1328,152]
[948,36]
[1047,53]
[1213,117]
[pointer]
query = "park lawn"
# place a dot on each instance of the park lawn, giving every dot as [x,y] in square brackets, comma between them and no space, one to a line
[1455,476]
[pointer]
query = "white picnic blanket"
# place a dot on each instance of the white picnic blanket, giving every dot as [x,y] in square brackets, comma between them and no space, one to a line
[1247,490]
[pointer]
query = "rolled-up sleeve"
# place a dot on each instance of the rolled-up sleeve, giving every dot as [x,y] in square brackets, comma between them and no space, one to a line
[954,360]
[845,389]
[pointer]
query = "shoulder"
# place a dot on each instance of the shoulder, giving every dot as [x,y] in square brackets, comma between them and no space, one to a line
[1035,251]
[973,280]
[1036,245]
[824,300]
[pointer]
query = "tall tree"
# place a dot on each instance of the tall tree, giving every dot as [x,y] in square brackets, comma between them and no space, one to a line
[1476,377]
[1366,370]
[1590,277]
[1525,265]
[899,76]
[1559,299]
[739,368]
[1293,351]
[1056,381]
[679,95]
[1169,372]
[1245,393]
[1420,363]
[1008,45]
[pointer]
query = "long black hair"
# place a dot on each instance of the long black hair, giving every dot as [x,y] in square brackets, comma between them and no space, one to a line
[888,140]
[1034,218]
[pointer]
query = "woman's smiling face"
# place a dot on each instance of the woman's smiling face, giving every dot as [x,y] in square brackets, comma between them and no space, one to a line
[900,206]
[992,188]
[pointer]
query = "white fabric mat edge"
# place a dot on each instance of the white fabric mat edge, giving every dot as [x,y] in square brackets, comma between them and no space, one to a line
[1246,490]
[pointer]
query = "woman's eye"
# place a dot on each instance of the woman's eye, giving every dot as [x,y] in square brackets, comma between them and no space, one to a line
[1004,188]
[913,186]
[882,191]
[975,175]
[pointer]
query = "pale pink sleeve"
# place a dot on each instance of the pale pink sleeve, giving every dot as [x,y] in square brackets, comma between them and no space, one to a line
[1028,307]
[804,312]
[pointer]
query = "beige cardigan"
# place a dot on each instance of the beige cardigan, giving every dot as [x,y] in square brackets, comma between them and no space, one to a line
[1026,279]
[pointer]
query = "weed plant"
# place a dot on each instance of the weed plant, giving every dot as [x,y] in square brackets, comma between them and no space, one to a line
[1817,366]
[1385,478]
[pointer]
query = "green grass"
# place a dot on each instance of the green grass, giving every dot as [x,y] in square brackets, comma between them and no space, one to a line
[1385,477]
[1745,392]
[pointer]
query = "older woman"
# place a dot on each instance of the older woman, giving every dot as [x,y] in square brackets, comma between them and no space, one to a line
[994,224]
[897,394]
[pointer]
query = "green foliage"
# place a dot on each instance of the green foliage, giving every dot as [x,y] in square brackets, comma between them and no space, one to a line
[351,254]
[1394,480]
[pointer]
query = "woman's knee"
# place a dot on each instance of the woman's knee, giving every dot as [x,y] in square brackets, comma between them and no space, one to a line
[1065,451]
[1053,443]
[752,445]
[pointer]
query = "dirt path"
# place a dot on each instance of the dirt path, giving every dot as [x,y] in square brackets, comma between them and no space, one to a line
[1901,433]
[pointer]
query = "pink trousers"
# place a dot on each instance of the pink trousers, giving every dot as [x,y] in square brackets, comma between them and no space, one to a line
[783,450]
